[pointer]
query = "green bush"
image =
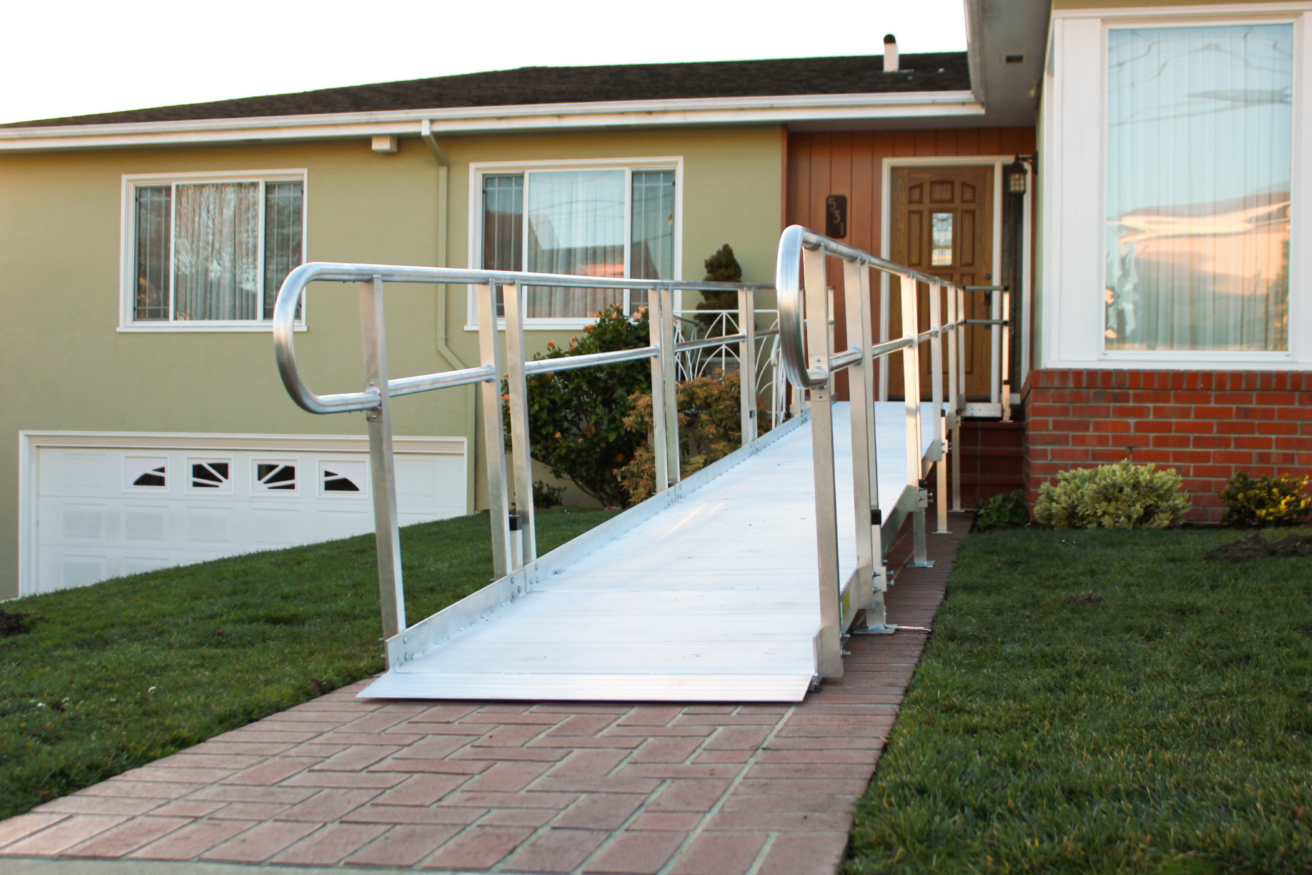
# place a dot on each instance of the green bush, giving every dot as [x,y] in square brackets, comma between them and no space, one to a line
[576,418]
[722,267]
[1003,512]
[710,428]
[546,496]
[1266,501]
[1120,496]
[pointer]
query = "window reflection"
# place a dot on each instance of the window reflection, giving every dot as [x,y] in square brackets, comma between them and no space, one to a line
[1199,156]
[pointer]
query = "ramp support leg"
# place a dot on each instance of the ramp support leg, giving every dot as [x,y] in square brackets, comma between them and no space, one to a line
[524,525]
[919,553]
[391,590]
[747,364]
[494,434]
[822,454]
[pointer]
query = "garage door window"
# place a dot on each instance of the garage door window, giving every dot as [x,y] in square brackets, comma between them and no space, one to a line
[146,472]
[275,477]
[210,475]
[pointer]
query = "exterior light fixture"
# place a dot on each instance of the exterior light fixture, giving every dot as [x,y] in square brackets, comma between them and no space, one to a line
[1015,176]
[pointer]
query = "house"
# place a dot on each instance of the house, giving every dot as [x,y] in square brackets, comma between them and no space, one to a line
[1133,173]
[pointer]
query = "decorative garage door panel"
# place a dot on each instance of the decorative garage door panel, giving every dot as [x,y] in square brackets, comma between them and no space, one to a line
[104,513]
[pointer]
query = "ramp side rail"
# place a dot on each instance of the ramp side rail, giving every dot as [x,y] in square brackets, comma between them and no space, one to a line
[810,361]
[514,540]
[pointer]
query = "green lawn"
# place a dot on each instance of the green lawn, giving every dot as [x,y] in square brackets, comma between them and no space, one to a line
[127,671]
[1103,702]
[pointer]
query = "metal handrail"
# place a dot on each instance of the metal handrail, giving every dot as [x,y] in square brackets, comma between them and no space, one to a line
[514,552]
[806,303]
[293,288]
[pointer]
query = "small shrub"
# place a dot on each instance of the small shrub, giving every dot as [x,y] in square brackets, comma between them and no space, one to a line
[545,496]
[709,429]
[1266,501]
[1003,512]
[1120,496]
[576,418]
[722,267]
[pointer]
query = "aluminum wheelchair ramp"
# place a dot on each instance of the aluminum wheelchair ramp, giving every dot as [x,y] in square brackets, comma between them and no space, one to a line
[707,597]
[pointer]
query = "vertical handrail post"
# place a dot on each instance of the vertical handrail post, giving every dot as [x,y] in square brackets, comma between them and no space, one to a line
[1005,376]
[670,386]
[520,450]
[494,436]
[822,455]
[860,382]
[656,335]
[940,415]
[382,463]
[954,394]
[911,388]
[747,364]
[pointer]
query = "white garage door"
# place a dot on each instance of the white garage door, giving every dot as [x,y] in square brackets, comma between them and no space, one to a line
[104,511]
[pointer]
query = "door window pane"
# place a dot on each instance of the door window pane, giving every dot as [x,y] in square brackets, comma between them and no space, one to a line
[575,226]
[216,251]
[1198,167]
[941,243]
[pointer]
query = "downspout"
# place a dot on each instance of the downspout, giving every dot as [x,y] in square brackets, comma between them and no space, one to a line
[445,351]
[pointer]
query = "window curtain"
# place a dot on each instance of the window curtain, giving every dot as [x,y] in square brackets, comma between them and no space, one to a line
[216,251]
[503,227]
[651,252]
[575,226]
[1199,147]
[282,238]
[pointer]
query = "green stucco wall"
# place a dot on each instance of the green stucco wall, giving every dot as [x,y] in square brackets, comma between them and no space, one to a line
[67,367]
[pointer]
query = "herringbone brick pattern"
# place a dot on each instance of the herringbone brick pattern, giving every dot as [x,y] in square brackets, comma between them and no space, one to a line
[519,787]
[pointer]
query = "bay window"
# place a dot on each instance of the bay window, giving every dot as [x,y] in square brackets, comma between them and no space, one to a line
[600,221]
[1199,169]
[207,253]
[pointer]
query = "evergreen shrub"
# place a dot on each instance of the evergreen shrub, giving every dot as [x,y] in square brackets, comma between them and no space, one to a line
[1003,512]
[1120,496]
[576,418]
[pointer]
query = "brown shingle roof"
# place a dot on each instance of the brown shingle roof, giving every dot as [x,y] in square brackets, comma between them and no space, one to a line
[938,71]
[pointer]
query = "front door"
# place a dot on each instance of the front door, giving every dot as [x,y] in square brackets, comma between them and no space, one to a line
[943,226]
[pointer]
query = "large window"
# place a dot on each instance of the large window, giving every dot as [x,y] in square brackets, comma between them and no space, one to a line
[210,253]
[1199,151]
[602,221]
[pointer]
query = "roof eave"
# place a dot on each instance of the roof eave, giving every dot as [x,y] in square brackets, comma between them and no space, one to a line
[469,120]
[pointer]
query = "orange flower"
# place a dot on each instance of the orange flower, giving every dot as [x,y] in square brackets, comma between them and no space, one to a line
[505,397]
[557,434]
[620,457]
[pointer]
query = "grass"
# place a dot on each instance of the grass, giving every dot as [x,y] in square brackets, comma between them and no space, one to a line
[1100,701]
[125,672]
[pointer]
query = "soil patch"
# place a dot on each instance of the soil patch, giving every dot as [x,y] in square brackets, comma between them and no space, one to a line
[12,624]
[1257,546]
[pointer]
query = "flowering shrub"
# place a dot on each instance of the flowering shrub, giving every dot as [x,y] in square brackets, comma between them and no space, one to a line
[1266,501]
[1120,496]
[576,418]
[710,428]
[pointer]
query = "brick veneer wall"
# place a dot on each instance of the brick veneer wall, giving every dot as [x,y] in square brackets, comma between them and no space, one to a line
[1205,424]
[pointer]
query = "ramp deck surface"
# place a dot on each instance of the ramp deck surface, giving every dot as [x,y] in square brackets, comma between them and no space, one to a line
[713,597]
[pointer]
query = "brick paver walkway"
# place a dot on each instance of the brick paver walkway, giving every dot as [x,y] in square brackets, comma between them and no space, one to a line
[515,787]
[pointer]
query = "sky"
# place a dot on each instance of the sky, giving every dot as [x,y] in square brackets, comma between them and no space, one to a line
[76,59]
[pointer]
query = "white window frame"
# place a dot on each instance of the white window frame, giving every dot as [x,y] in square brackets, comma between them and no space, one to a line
[504,168]
[128,245]
[1073,154]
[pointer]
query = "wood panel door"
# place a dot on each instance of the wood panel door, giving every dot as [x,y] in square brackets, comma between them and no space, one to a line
[942,225]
